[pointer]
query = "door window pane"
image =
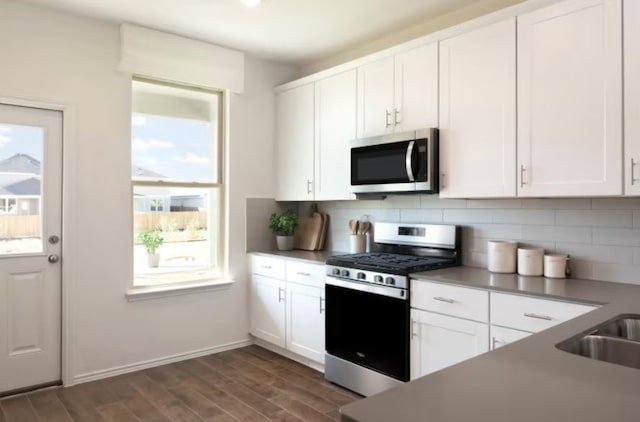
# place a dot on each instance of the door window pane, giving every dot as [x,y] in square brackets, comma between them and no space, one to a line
[21,152]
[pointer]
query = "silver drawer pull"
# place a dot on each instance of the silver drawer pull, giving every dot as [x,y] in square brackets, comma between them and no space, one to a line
[536,316]
[267,267]
[304,274]
[444,299]
[497,342]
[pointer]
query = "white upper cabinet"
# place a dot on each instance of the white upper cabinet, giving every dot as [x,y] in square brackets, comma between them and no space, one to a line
[335,127]
[478,113]
[632,96]
[295,144]
[570,99]
[399,93]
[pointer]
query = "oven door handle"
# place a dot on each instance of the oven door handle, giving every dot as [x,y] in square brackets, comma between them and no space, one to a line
[378,290]
[408,161]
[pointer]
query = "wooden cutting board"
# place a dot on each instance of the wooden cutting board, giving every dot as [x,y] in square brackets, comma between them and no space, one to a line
[323,232]
[308,232]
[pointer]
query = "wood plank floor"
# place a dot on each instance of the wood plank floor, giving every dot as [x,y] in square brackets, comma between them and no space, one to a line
[249,384]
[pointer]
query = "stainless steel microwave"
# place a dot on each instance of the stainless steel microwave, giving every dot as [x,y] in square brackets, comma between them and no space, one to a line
[395,163]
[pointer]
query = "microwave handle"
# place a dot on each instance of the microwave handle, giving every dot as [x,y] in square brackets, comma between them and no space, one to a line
[409,161]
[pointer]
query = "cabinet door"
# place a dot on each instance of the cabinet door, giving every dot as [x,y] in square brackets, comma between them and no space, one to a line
[478,113]
[335,127]
[268,297]
[375,98]
[570,99]
[501,336]
[305,321]
[416,89]
[438,341]
[632,96]
[294,152]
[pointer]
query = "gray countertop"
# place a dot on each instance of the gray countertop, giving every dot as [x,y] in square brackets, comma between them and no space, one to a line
[526,381]
[317,257]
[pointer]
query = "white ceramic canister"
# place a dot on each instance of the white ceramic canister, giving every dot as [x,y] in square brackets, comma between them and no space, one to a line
[530,261]
[501,256]
[556,265]
[358,243]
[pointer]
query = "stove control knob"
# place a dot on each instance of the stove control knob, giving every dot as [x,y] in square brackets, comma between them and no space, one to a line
[390,280]
[377,279]
[345,273]
[362,276]
[335,271]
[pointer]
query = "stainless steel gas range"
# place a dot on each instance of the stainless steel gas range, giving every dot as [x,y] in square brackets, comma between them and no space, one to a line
[368,307]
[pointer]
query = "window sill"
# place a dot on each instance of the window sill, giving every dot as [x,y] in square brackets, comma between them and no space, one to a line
[166,290]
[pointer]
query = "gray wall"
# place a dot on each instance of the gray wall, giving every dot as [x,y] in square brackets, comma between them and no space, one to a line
[601,235]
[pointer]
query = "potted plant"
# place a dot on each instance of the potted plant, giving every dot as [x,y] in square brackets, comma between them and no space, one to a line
[151,240]
[283,226]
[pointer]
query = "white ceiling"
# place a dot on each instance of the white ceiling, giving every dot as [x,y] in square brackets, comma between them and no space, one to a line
[292,31]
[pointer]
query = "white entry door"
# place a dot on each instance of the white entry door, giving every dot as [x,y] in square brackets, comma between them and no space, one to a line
[30,230]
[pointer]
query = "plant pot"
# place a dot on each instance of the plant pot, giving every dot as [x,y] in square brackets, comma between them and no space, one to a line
[153,260]
[285,243]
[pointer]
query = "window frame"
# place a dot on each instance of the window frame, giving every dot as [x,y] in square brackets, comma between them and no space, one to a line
[218,246]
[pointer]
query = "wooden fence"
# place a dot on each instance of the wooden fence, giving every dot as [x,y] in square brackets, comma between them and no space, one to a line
[169,221]
[19,226]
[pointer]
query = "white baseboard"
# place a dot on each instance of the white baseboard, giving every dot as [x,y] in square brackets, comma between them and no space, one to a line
[125,369]
[293,356]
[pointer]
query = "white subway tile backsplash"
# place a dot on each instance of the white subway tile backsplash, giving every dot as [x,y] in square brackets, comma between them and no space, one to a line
[595,218]
[495,203]
[507,216]
[636,219]
[581,269]
[597,253]
[401,201]
[496,231]
[421,215]
[432,201]
[557,204]
[615,203]
[468,216]
[620,237]
[557,233]
[618,273]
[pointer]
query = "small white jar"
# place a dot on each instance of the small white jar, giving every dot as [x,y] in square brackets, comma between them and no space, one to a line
[530,261]
[556,265]
[501,256]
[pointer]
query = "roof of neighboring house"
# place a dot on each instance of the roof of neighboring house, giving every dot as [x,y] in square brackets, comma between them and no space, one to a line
[20,163]
[29,186]
[137,171]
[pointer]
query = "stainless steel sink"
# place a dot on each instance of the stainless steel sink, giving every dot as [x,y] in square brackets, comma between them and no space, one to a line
[616,341]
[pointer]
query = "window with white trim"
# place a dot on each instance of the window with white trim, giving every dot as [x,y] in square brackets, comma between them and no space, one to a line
[177,186]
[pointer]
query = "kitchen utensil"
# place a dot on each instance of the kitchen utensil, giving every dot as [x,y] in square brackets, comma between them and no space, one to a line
[501,256]
[364,227]
[530,261]
[353,226]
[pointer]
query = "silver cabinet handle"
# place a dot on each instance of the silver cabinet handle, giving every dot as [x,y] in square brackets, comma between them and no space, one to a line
[309,186]
[304,274]
[386,119]
[280,291]
[413,333]
[633,177]
[322,308]
[444,299]
[442,176]
[536,316]
[495,341]
[266,267]
[522,170]
[396,115]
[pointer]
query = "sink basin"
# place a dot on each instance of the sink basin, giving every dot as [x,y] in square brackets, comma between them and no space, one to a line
[616,341]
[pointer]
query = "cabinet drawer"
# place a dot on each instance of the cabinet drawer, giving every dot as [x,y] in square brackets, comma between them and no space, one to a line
[532,314]
[450,300]
[267,266]
[304,273]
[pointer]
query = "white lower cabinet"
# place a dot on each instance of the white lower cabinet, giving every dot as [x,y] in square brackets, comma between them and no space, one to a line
[438,341]
[288,312]
[268,309]
[501,336]
[305,321]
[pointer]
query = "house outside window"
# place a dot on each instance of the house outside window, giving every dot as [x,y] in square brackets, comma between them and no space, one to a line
[177,186]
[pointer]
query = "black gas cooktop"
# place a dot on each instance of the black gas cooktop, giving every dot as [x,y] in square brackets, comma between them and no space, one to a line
[390,262]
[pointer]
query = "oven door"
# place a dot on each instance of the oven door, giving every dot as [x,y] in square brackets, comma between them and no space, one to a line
[368,325]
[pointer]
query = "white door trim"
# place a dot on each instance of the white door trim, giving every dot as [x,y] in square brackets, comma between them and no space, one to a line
[69,232]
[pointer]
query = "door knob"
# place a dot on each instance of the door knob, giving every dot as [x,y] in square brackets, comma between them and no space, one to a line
[54,239]
[53,259]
